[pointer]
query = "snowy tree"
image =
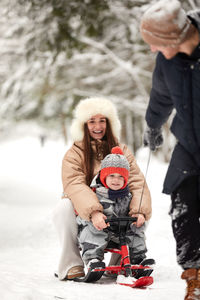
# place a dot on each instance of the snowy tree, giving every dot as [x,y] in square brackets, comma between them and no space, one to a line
[57,52]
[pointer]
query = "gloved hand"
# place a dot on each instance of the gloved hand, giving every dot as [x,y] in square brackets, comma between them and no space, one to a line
[153,138]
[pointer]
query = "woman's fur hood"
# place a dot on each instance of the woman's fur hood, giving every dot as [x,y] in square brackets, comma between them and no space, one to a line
[90,107]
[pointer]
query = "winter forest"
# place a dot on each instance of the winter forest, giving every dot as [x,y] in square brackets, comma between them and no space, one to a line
[53,54]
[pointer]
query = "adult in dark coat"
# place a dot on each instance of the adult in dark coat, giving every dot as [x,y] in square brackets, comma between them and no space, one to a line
[176,85]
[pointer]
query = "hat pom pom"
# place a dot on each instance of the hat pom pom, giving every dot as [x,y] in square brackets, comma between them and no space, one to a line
[117,150]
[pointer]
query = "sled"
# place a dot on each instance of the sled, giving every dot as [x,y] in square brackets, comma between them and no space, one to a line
[135,276]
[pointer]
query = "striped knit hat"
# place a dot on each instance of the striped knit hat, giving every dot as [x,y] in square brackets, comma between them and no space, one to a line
[115,162]
[165,23]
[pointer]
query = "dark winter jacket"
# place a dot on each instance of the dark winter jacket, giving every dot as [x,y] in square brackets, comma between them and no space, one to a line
[176,84]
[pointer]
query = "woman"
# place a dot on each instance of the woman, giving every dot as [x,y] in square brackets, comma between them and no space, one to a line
[95,130]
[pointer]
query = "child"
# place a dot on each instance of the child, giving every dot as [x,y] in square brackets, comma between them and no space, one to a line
[113,193]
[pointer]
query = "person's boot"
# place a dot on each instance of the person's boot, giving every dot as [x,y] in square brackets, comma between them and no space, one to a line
[74,272]
[192,277]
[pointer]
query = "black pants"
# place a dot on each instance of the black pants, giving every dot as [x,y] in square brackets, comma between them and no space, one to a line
[185,213]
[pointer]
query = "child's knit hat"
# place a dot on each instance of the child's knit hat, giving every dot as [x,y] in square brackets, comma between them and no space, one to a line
[115,162]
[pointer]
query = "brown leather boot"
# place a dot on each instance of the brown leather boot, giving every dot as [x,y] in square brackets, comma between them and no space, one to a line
[74,272]
[192,277]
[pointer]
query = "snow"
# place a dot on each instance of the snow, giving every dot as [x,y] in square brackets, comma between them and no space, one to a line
[30,186]
[121,279]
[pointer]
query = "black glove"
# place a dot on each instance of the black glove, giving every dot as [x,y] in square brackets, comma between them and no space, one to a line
[153,138]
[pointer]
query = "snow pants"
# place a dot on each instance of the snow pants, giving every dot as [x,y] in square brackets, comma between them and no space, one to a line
[93,242]
[65,222]
[66,226]
[185,214]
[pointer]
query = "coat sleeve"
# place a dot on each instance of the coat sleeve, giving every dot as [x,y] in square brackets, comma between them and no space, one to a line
[74,184]
[160,104]
[136,182]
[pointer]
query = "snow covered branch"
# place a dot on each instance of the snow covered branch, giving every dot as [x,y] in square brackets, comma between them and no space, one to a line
[127,66]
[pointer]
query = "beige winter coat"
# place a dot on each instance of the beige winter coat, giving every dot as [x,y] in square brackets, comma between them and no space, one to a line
[84,199]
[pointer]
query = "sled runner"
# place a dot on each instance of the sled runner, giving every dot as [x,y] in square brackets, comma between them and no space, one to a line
[126,273]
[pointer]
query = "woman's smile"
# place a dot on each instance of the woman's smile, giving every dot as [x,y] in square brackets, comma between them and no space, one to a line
[97,126]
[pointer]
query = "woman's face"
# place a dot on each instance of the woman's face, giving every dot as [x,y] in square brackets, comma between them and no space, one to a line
[97,126]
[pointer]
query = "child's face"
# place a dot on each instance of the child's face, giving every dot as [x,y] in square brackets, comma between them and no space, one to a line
[115,181]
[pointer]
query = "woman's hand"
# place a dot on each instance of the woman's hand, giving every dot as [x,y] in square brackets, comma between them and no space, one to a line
[98,220]
[140,219]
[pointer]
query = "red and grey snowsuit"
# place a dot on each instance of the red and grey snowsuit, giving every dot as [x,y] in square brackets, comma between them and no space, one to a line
[93,242]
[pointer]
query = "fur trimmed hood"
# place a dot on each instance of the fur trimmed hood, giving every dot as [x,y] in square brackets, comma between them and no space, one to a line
[90,107]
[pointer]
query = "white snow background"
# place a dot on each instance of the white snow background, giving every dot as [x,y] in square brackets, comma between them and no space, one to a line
[30,187]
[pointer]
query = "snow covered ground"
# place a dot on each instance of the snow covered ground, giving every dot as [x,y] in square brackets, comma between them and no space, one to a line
[30,186]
